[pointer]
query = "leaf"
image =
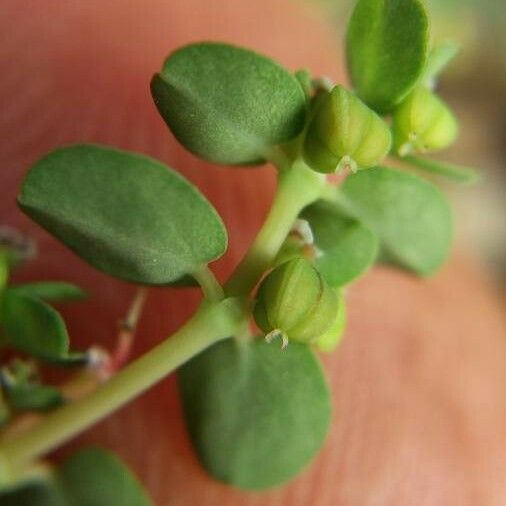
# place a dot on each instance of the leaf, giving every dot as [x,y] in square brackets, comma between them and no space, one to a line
[126,214]
[185,281]
[95,477]
[456,173]
[21,383]
[305,81]
[439,57]
[36,328]
[28,396]
[411,217]
[50,290]
[386,50]
[36,493]
[90,477]
[256,415]
[227,104]
[345,247]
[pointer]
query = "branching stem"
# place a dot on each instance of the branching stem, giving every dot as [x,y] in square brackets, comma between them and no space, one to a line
[298,186]
[211,323]
[216,319]
[212,290]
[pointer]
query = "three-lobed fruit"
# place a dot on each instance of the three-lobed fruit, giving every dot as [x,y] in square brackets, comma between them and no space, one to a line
[295,302]
[423,123]
[345,132]
[329,341]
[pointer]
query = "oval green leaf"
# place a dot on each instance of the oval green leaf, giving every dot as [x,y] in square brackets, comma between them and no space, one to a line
[346,248]
[33,326]
[50,290]
[126,214]
[227,104]
[411,216]
[256,414]
[31,396]
[90,477]
[36,328]
[386,50]
[95,477]
[33,493]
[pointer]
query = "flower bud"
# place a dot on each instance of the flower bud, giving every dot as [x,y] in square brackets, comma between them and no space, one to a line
[423,123]
[345,133]
[294,302]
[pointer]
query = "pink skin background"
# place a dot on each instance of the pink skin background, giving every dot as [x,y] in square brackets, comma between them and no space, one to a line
[418,383]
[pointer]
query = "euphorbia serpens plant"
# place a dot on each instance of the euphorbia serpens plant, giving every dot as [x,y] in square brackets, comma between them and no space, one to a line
[256,401]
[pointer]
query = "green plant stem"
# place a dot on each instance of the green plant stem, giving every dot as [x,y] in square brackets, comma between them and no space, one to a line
[298,186]
[4,271]
[211,323]
[212,290]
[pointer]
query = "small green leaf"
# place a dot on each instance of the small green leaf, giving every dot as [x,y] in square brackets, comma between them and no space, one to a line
[50,290]
[33,493]
[126,214]
[18,371]
[411,217]
[32,396]
[36,328]
[22,387]
[90,477]
[256,415]
[227,104]
[345,247]
[386,50]
[439,57]
[95,477]
[457,173]
[33,326]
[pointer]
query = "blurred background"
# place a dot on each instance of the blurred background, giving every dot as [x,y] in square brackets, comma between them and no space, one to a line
[418,383]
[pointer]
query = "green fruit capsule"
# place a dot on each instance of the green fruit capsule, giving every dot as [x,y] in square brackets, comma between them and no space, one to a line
[423,123]
[345,133]
[330,340]
[295,303]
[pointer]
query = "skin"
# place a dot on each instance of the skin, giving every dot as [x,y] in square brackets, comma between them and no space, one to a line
[418,383]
